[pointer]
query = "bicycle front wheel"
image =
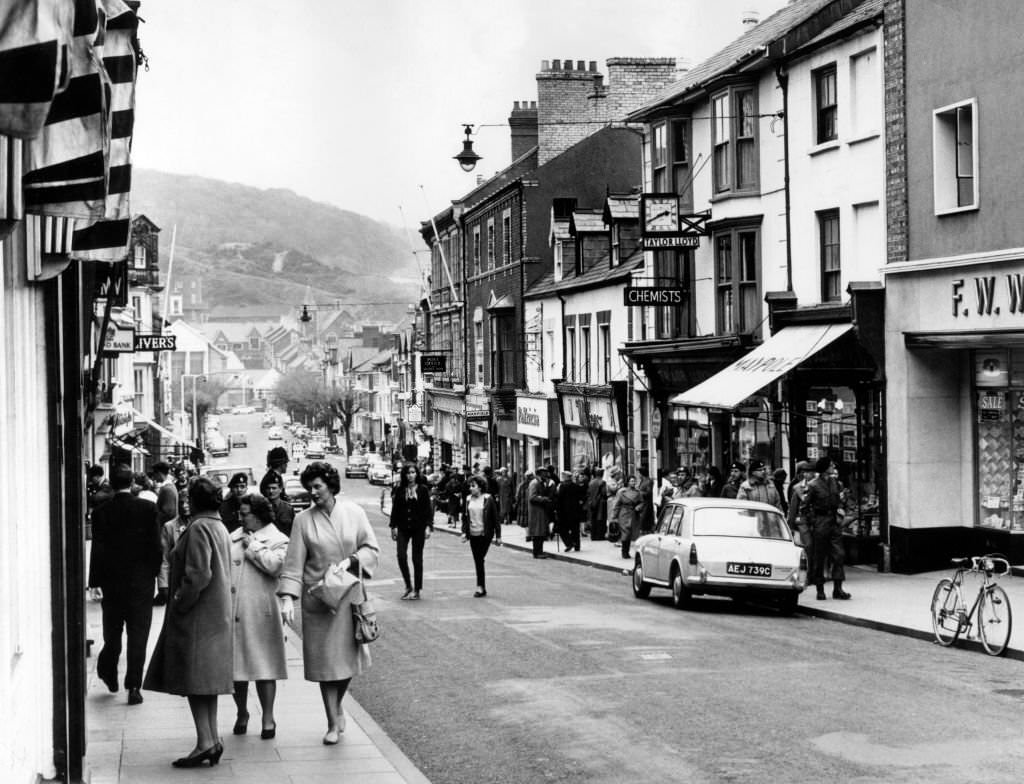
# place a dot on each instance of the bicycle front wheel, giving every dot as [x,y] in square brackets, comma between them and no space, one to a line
[946,612]
[995,621]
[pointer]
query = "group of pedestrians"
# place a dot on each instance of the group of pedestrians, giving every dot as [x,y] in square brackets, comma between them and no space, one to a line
[231,584]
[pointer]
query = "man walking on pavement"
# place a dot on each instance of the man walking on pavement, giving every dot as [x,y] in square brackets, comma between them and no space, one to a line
[125,561]
[539,516]
[822,508]
[166,492]
[597,506]
[757,487]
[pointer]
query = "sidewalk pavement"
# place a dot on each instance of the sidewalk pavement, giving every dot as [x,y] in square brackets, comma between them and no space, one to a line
[135,745]
[888,602]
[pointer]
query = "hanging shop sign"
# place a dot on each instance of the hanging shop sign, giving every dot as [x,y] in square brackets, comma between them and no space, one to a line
[433,363]
[155,343]
[532,416]
[119,340]
[414,415]
[597,413]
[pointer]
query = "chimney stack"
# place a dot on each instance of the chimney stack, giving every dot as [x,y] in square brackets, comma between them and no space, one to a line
[750,20]
[563,93]
[523,125]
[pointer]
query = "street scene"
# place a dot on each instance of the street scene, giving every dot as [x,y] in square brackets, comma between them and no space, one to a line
[406,400]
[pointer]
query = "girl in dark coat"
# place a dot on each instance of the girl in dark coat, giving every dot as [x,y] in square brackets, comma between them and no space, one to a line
[412,520]
[479,526]
[194,654]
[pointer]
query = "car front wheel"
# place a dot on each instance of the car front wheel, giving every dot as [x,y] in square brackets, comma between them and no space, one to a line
[680,593]
[641,588]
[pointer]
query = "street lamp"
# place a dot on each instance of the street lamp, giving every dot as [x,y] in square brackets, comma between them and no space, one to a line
[467,158]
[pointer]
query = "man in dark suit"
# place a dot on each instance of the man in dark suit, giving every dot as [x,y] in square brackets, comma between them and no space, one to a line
[125,561]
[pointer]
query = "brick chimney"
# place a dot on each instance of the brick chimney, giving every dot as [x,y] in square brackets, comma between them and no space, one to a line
[563,105]
[523,124]
[633,81]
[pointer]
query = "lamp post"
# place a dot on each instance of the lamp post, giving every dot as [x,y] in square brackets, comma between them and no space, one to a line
[195,425]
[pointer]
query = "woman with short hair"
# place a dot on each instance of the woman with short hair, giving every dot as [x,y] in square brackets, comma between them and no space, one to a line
[332,531]
[193,655]
[257,557]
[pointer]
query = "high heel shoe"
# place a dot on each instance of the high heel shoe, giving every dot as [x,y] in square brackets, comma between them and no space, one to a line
[268,734]
[241,724]
[211,754]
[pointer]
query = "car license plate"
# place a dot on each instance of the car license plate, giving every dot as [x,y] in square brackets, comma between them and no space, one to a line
[748,569]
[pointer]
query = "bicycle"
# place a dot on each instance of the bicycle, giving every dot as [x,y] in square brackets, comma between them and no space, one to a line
[991,608]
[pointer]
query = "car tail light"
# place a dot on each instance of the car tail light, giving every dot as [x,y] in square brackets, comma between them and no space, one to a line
[693,555]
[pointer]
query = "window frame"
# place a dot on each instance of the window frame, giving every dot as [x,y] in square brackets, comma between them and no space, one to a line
[826,114]
[506,237]
[947,177]
[736,285]
[476,240]
[570,350]
[728,144]
[830,273]
[585,353]
[672,322]
[140,259]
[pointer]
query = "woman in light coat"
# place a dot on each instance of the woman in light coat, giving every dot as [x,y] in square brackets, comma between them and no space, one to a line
[194,652]
[332,531]
[257,556]
[626,512]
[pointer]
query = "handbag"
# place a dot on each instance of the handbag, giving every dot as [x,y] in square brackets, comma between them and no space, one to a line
[364,616]
[335,587]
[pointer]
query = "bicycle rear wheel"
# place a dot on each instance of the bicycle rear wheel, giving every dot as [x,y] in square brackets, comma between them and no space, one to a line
[946,612]
[995,621]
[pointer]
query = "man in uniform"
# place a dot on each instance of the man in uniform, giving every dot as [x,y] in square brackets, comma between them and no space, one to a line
[732,484]
[822,508]
[757,487]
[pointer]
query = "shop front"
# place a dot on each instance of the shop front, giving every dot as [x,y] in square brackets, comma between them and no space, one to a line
[956,381]
[537,426]
[478,430]
[592,424]
[811,390]
[449,428]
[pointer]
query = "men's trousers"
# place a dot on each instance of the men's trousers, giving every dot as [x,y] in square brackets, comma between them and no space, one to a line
[125,606]
[826,545]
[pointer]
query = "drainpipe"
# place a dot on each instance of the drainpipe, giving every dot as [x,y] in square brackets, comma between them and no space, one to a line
[782,75]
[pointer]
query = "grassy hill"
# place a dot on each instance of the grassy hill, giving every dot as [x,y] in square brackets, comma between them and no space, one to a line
[256,247]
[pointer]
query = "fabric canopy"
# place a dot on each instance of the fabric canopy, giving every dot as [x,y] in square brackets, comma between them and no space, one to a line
[778,355]
[142,418]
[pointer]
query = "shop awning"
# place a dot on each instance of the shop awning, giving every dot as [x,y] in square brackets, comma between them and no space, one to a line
[778,355]
[114,441]
[142,420]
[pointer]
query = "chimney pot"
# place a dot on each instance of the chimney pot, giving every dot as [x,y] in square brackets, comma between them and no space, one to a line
[556,65]
[750,19]
[545,65]
[593,66]
[580,65]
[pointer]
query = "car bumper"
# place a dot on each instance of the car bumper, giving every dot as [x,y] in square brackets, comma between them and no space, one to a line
[710,585]
[354,472]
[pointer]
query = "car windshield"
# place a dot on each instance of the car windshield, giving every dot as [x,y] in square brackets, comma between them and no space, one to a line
[748,523]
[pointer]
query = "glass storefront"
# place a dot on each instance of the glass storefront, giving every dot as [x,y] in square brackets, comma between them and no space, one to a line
[999,436]
[587,446]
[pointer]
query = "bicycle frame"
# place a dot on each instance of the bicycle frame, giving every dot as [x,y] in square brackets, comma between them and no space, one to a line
[989,617]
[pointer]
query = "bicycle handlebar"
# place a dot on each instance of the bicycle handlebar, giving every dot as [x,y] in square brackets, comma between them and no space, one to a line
[990,564]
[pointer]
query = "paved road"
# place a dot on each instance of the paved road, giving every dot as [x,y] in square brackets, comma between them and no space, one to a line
[560,675]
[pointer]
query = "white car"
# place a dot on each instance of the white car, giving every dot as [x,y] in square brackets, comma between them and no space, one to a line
[720,547]
[315,451]
[379,472]
[275,434]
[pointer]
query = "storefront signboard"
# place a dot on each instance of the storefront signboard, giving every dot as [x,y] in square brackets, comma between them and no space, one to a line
[597,413]
[119,340]
[532,416]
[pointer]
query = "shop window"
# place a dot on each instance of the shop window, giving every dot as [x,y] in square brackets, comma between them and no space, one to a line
[737,288]
[828,251]
[955,160]
[825,105]
[999,422]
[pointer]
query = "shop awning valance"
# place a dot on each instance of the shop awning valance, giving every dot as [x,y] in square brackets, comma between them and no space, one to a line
[778,355]
[142,418]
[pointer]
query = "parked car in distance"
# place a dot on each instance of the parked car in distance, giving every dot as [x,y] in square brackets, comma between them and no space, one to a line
[720,547]
[315,451]
[268,420]
[298,496]
[239,439]
[356,465]
[217,445]
[275,433]
[221,475]
[379,472]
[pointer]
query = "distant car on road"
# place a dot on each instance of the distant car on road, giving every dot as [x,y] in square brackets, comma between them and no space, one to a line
[217,445]
[379,472]
[275,434]
[315,451]
[221,475]
[356,465]
[298,496]
[720,547]
[239,439]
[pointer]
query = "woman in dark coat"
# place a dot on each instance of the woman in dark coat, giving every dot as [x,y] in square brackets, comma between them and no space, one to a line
[412,520]
[194,653]
[479,526]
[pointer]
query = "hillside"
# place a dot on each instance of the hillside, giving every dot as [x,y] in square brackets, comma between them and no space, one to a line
[257,247]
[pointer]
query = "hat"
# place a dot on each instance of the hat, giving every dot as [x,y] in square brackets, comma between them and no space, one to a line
[241,478]
[822,465]
[804,465]
[755,465]
[277,455]
[738,467]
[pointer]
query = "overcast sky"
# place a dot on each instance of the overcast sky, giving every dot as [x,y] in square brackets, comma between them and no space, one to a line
[361,104]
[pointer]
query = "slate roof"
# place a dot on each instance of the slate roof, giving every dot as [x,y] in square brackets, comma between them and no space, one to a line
[587,221]
[747,45]
[597,276]
[621,207]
